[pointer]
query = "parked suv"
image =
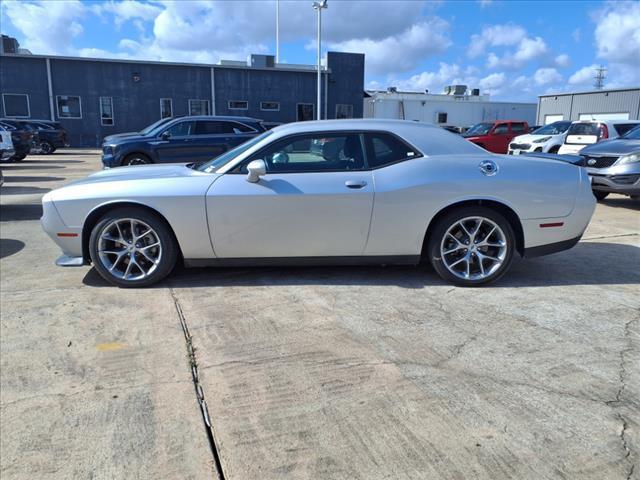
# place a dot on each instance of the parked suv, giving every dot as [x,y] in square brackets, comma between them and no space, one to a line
[179,140]
[23,137]
[614,165]
[588,132]
[496,136]
[51,135]
[547,139]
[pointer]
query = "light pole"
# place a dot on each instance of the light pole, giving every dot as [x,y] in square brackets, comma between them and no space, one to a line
[319,6]
[277,31]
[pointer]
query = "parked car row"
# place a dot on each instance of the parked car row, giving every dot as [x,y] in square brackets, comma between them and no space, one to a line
[33,136]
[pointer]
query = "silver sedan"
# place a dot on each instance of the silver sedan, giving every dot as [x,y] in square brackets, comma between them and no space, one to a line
[329,192]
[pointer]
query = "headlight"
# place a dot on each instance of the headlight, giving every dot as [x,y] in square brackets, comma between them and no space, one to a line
[631,158]
[542,140]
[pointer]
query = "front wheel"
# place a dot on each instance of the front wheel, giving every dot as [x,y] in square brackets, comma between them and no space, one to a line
[46,148]
[472,246]
[600,195]
[136,159]
[132,247]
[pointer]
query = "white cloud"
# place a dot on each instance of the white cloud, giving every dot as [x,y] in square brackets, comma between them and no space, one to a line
[399,53]
[495,36]
[545,76]
[563,60]
[618,33]
[583,76]
[47,27]
[432,81]
[127,10]
[576,35]
[530,49]
[493,83]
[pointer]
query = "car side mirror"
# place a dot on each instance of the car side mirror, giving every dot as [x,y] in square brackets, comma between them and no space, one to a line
[256,169]
[166,135]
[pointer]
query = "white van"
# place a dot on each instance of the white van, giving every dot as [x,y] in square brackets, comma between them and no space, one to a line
[588,132]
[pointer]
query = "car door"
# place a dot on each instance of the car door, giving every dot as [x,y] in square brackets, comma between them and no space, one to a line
[314,201]
[500,137]
[175,144]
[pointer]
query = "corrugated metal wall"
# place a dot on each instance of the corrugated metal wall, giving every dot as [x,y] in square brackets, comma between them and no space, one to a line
[571,106]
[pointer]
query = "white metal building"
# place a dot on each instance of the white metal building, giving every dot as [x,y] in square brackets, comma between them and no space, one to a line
[612,104]
[456,107]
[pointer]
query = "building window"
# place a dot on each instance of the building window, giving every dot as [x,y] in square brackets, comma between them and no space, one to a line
[238,105]
[270,106]
[16,105]
[442,117]
[344,111]
[305,111]
[106,111]
[166,108]
[198,107]
[69,106]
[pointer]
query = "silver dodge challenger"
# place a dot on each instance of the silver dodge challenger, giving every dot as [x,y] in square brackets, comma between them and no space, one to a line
[329,192]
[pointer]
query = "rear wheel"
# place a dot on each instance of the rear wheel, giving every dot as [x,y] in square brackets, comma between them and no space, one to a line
[46,148]
[136,159]
[471,246]
[600,195]
[132,247]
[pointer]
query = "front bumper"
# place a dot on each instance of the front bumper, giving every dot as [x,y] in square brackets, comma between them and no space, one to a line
[623,179]
[69,239]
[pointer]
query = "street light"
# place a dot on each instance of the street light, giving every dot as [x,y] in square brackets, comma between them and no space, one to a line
[319,6]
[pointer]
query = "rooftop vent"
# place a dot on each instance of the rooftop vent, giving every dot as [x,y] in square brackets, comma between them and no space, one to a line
[262,61]
[457,90]
[392,89]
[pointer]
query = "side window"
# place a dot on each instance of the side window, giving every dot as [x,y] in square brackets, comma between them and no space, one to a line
[518,128]
[328,152]
[240,126]
[501,129]
[211,128]
[385,149]
[623,128]
[181,129]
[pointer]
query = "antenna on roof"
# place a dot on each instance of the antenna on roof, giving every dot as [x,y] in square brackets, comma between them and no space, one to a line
[601,74]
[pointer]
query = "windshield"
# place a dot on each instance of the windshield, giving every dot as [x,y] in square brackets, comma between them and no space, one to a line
[554,128]
[153,126]
[479,129]
[217,163]
[633,134]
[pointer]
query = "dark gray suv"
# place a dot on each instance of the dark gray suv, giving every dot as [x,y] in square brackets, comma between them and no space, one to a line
[614,165]
[179,140]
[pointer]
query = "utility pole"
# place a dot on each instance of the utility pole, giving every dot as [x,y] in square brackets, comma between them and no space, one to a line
[319,6]
[601,74]
[277,31]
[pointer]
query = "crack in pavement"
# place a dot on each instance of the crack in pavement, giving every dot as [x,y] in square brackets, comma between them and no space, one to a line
[191,353]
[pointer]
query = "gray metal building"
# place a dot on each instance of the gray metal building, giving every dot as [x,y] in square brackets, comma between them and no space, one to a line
[613,104]
[94,98]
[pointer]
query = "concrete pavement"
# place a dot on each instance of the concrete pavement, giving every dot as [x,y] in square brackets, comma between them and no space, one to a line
[364,372]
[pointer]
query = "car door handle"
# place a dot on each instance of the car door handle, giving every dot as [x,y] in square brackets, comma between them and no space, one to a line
[354,184]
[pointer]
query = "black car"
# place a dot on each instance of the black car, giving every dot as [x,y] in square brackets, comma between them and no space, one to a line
[179,140]
[23,136]
[51,135]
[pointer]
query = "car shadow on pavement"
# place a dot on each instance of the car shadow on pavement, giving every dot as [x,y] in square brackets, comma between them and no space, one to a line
[27,179]
[12,213]
[18,190]
[11,167]
[9,246]
[621,203]
[46,160]
[589,263]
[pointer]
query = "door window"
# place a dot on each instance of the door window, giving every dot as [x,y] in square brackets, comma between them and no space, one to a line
[518,128]
[318,152]
[385,149]
[501,129]
[623,128]
[181,129]
[213,128]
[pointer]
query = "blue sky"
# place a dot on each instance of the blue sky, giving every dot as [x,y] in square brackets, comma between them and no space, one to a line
[514,50]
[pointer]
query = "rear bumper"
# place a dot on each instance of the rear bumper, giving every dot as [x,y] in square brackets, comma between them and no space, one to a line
[551,248]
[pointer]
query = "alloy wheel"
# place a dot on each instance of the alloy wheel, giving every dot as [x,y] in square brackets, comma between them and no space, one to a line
[129,249]
[473,248]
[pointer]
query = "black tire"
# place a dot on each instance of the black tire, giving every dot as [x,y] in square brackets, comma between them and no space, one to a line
[554,149]
[46,148]
[440,229]
[17,158]
[167,245]
[600,195]
[136,159]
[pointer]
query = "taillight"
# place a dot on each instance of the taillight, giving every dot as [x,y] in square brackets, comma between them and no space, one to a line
[603,131]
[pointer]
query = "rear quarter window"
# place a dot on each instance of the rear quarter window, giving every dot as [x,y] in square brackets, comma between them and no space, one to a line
[385,149]
[623,128]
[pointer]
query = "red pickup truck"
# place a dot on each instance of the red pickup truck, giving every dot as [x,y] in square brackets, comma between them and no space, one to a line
[495,136]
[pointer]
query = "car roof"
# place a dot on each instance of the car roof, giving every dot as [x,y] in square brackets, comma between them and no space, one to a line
[349,124]
[217,117]
[607,122]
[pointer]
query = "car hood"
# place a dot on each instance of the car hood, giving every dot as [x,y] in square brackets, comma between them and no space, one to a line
[121,136]
[530,137]
[615,147]
[141,172]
